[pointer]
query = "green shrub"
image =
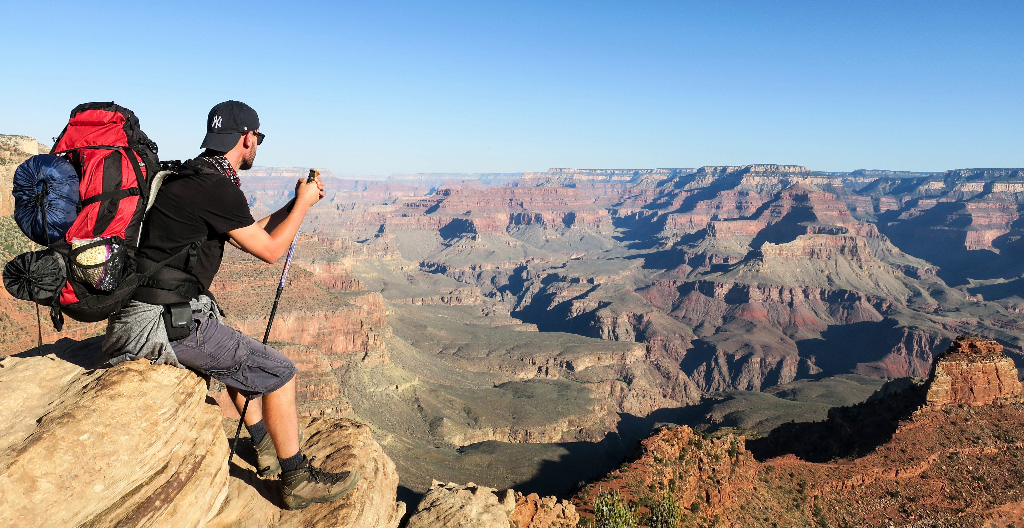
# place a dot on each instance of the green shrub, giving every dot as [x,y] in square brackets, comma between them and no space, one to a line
[664,512]
[611,511]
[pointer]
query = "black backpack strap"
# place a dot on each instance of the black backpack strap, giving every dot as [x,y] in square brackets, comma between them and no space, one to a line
[56,315]
[192,249]
[41,203]
[185,289]
[192,256]
[133,160]
[164,284]
[110,195]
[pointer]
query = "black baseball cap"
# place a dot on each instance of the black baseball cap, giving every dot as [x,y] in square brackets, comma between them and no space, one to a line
[227,122]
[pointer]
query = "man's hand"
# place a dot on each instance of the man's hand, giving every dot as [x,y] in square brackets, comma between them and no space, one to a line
[309,193]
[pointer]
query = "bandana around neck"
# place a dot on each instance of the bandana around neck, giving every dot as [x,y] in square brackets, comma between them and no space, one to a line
[222,164]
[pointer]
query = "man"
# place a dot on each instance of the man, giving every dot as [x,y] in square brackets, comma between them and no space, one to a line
[172,318]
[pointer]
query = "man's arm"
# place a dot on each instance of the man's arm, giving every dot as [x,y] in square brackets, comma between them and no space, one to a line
[270,238]
[271,221]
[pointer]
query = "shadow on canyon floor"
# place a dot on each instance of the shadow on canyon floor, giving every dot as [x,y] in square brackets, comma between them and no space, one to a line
[841,348]
[586,461]
[848,432]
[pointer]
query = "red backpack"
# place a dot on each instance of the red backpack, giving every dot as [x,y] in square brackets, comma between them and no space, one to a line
[117,164]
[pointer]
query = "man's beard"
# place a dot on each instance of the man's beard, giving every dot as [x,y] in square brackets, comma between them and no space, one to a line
[247,160]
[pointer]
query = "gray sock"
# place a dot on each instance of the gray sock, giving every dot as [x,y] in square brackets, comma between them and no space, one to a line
[257,431]
[293,462]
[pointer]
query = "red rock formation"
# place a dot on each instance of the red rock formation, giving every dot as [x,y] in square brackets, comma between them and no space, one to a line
[533,511]
[317,389]
[694,469]
[973,371]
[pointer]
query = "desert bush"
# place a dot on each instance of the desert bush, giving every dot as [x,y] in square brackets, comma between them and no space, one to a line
[663,511]
[612,511]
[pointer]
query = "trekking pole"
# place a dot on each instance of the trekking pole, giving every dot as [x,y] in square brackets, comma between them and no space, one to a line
[313,173]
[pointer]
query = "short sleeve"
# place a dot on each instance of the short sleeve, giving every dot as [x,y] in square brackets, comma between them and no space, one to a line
[224,207]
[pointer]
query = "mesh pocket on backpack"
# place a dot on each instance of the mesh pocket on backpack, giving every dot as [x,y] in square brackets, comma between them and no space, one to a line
[99,262]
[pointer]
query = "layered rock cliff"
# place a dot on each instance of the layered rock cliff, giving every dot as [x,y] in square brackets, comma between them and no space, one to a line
[322,305]
[793,257]
[973,372]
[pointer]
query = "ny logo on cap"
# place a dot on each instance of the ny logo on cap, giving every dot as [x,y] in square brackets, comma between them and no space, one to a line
[216,122]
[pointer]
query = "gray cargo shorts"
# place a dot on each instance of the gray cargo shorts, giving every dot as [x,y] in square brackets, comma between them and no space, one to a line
[235,359]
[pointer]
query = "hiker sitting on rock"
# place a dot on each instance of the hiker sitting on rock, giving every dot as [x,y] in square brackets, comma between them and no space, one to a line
[172,318]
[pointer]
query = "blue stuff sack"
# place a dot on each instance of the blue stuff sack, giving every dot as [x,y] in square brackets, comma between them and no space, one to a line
[45,198]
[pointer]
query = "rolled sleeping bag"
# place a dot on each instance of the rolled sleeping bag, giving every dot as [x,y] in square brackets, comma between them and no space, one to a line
[36,276]
[45,182]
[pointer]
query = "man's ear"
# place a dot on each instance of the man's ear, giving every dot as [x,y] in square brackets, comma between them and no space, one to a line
[248,140]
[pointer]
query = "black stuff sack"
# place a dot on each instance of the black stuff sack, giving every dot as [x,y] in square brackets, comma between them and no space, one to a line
[35,276]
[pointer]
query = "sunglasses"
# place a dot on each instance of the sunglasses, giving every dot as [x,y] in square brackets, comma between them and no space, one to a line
[259,137]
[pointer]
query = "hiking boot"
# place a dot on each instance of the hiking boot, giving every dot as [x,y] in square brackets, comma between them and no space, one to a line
[308,485]
[267,464]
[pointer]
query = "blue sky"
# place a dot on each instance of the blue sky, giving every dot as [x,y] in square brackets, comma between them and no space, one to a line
[374,88]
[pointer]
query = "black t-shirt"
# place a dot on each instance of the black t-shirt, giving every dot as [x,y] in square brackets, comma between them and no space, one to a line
[199,203]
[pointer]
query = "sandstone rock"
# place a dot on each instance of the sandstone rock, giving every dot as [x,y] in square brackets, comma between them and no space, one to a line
[533,511]
[470,506]
[23,145]
[973,371]
[338,445]
[138,445]
[134,444]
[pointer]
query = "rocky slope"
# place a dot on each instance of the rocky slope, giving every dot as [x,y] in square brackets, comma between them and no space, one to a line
[471,506]
[912,456]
